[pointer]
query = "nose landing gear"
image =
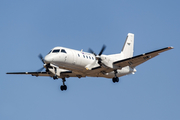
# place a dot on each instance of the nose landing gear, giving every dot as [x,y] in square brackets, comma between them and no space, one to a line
[55,77]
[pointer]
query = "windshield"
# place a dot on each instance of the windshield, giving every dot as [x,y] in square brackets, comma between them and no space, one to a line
[55,50]
[63,51]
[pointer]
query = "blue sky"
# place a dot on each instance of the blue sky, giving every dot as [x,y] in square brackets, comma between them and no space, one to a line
[28,28]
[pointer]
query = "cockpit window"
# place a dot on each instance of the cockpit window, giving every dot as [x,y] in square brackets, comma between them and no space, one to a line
[63,51]
[56,51]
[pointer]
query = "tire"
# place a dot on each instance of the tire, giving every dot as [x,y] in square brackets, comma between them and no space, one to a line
[114,80]
[65,87]
[117,79]
[62,87]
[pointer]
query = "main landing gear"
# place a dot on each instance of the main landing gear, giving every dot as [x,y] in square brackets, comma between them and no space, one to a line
[63,87]
[115,79]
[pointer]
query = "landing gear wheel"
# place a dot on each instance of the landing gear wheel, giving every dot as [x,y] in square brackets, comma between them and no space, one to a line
[63,87]
[115,79]
[55,77]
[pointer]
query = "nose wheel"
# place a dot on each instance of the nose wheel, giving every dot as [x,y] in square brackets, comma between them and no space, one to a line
[63,87]
[55,77]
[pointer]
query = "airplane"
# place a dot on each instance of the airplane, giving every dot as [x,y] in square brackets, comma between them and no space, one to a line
[63,63]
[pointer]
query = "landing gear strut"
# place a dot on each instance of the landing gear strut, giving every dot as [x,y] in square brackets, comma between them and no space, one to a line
[63,87]
[115,79]
[55,76]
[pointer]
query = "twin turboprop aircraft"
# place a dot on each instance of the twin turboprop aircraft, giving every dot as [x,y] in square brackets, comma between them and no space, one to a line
[63,63]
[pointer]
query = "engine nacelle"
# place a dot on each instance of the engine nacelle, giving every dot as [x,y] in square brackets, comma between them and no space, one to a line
[121,72]
[106,61]
[55,70]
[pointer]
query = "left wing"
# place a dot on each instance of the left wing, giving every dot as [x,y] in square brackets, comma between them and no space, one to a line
[139,59]
[98,71]
[132,62]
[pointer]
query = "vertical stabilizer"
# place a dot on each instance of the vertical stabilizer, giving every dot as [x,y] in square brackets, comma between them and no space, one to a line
[128,48]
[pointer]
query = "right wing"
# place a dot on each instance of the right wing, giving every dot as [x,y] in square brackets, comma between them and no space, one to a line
[62,74]
[31,73]
[139,59]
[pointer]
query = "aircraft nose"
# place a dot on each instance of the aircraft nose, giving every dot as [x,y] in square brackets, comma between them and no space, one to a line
[48,59]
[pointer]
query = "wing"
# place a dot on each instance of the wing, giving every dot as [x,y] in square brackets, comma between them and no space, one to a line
[31,73]
[139,59]
[99,71]
[62,74]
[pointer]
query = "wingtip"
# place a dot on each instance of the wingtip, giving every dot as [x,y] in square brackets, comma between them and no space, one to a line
[171,47]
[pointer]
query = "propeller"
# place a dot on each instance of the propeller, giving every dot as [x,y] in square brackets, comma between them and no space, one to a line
[98,57]
[91,51]
[100,53]
[41,58]
[45,65]
[40,69]
[102,50]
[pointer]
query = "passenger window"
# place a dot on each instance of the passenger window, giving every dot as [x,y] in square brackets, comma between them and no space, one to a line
[89,57]
[83,56]
[78,55]
[86,56]
[63,51]
[55,51]
[92,58]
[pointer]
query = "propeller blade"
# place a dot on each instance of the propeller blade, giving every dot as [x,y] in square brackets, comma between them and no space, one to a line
[40,69]
[102,50]
[91,51]
[41,57]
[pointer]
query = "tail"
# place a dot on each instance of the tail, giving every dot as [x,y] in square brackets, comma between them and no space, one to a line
[128,48]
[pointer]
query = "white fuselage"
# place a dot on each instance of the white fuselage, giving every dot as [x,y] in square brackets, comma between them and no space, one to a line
[79,61]
[63,62]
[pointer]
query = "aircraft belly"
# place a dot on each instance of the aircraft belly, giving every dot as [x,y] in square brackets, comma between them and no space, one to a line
[120,72]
